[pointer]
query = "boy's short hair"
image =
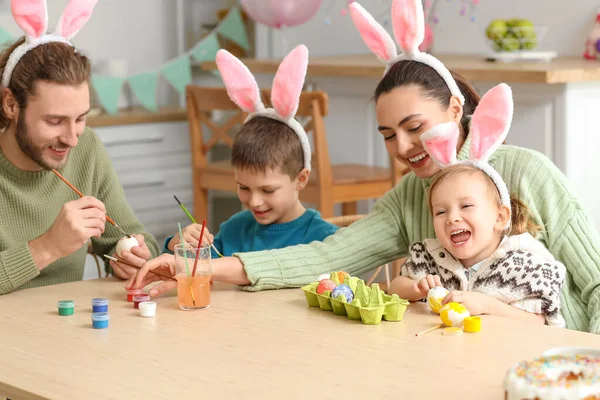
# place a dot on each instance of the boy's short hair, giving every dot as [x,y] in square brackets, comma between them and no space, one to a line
[264,143]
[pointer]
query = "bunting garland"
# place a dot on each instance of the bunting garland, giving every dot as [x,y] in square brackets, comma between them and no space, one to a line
[177,72]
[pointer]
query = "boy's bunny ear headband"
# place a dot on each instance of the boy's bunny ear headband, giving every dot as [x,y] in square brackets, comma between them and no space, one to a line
[409,28]
[489,126]
[285,95]
[32,17]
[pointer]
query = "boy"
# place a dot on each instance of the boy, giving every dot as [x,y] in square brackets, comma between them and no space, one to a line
[268,162]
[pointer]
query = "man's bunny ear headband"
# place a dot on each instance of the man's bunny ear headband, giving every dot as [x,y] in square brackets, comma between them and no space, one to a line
[32,17]
[409,28]
[489,126]
[285,95]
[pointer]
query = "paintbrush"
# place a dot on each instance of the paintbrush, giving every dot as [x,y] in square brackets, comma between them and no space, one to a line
[109,219]
[430,330]
[194,221]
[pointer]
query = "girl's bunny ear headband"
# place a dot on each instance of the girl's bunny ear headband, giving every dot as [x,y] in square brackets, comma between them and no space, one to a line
[489,126]
[32,17]
[409,28]
[285,95]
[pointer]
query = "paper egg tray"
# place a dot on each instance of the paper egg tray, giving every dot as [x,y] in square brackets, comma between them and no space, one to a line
[392,307]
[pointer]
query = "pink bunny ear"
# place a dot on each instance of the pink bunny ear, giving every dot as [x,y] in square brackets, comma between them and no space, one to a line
[31,16]
[74,17]
[288,82]
[239,81]
[409,24]
[375,37]
[491,122]
[440,143]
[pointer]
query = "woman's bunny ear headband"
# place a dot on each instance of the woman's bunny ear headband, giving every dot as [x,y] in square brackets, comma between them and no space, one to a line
[32,17]
[285,95]
[489,126]
[409,28]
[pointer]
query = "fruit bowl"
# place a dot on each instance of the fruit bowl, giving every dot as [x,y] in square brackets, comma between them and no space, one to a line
[516,40]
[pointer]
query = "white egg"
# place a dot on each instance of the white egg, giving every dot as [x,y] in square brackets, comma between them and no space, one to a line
[435,296]
[126,243]
[323,276]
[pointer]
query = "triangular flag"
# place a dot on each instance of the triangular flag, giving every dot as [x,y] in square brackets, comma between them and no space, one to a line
[5,37]
[232,27]
[108,91]
[143,87]
[206,49]
[178,73]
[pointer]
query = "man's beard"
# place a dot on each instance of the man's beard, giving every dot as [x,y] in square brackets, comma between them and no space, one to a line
[29,148]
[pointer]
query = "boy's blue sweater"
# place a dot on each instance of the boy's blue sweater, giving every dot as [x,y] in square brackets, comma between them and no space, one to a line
[241,233]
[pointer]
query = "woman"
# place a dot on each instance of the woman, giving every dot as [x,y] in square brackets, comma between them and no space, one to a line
[413,97]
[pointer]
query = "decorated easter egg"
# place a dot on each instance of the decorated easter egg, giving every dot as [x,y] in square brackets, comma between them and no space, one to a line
[434,298]
[126,243]
[341,275]
[453,314]
[325,284]
[323,276]
[345,290]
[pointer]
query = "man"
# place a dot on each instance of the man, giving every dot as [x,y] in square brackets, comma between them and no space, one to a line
[44,225]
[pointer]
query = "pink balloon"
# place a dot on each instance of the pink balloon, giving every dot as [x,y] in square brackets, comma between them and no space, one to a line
[281,13]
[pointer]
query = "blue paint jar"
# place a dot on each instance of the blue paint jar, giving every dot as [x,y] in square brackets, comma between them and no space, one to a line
[99,305]
[100,320]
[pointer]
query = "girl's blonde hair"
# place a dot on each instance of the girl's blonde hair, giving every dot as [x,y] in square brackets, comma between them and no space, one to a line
[521,220]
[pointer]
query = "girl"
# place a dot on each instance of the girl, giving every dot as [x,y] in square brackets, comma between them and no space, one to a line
[417,93]
[484,252]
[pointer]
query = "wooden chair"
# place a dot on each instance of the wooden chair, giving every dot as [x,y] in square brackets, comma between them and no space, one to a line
[347,220]
[328,184]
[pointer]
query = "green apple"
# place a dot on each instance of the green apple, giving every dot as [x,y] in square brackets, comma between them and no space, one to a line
[525,30]
[512,22]
[510,42]
[496,29]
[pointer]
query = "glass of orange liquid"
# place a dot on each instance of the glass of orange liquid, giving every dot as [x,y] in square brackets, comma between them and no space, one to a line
[193,289]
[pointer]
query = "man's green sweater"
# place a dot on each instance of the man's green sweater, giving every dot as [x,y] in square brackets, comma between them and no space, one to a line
[30,202]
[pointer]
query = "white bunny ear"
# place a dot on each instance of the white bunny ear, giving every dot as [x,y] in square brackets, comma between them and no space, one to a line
[491,122]
[74,17]
[375,37]
[31,16]
[440,143]
[239,81]
[409,24]
[288,82]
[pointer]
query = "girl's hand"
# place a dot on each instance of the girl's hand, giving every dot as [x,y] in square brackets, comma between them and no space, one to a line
[477,303]
[423,286]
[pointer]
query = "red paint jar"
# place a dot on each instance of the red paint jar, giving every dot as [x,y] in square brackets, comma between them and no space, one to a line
[133,292]
[138,298]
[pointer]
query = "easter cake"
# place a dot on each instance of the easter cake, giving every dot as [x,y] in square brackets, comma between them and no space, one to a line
[350,296]
[562,377]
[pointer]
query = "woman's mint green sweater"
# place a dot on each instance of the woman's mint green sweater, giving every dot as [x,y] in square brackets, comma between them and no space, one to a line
[401,217]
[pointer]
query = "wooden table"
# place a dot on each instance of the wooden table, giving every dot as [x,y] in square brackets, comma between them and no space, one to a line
[249,345]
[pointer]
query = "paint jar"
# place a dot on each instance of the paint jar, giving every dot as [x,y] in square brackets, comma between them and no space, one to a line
[99,305]
[133,292]
[100,320]
[147,309]
[138,298]
[66,307]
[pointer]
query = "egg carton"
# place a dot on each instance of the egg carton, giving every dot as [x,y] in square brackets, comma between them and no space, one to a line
[370,304]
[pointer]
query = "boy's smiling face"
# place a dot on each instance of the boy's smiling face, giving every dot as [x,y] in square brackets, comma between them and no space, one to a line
[271,196]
